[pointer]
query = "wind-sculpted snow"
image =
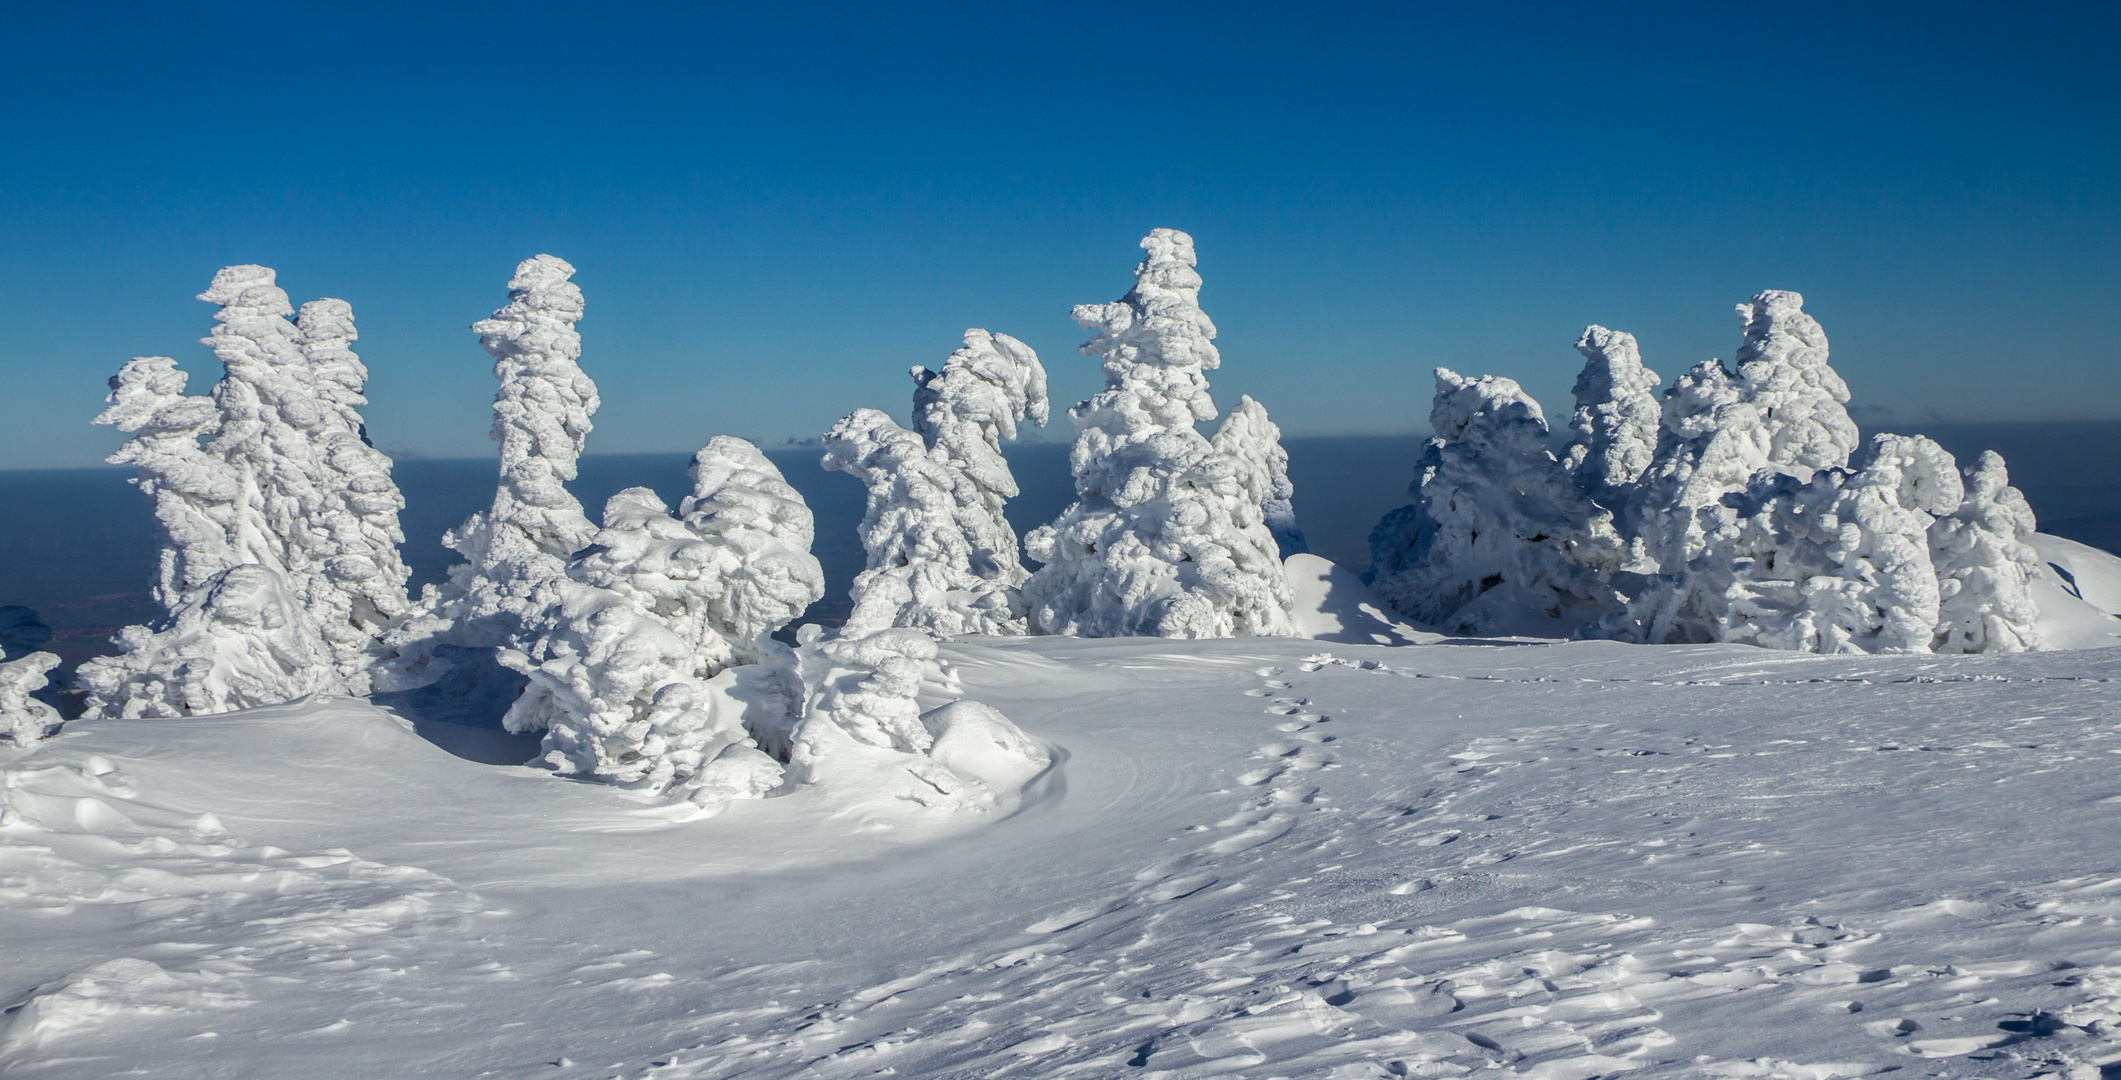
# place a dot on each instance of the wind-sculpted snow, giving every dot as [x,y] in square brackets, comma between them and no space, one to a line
[540,419]
[742,506]
[1501,540]
[1616,417]
[862,728]
[241,640]
[1254,442]
[941,555]
[1984,566]
[195,499]
[1167,537]
[25,719]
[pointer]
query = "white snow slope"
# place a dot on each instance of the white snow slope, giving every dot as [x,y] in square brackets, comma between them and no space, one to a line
[1259,857]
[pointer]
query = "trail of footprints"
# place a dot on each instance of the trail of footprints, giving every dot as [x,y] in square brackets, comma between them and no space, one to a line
[1207,964]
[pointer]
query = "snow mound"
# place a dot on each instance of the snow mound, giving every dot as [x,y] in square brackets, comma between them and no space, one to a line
[1332,604]
[2078,591]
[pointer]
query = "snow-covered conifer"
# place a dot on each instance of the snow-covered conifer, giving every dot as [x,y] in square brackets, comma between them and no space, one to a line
[194,495]
[741,504]
[1839,564]
[1499,539]
[1616,417]
[1254,442]
[1163,540]
[630,653]
[1984,567]
[239,641]
[617,694]
[1782,411]
[942,557]
[540,419]
[23,718]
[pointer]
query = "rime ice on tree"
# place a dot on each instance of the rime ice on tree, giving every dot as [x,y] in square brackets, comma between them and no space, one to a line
[540,419]
[1782,411]
[1616,418]
[283,520]
[1499,539]
[942,557]
[1165,539]
[1984,566]
[635,655]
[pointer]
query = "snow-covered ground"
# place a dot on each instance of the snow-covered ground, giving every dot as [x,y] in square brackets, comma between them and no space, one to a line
[1263,857]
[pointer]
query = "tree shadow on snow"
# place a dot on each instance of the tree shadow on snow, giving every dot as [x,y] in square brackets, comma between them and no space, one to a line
[461,711]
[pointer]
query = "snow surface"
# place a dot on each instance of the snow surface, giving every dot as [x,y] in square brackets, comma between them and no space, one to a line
[1257,857]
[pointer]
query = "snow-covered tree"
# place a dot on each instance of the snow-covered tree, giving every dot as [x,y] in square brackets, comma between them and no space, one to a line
[942,557]
[363,577]
[617,695]
[742,505]
[1782,411]
[1839,564]
[1164,539]
[23,718]
[540,419]
[631,653]
[239,641]
[284,484]
[1254,442]
[194,496]
[1616,417]
[1499,540]
[1984,567]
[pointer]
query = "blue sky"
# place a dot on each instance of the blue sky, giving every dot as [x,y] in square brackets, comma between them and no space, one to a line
[775,212]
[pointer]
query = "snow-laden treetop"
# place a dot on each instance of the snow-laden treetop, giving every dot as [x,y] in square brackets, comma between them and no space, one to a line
[1155,341]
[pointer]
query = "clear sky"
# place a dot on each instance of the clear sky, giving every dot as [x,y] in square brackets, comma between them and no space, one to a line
[775,209]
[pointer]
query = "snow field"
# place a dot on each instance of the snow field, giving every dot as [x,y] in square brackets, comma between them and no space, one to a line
[1266,857]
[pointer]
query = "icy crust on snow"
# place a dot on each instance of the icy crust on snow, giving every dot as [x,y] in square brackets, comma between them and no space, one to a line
[284,486]
[540,419]
[631,651]
[1500,541]
[941,555]
[1168,536]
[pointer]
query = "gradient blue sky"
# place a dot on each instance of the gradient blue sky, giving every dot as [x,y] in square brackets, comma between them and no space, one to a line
[775,212]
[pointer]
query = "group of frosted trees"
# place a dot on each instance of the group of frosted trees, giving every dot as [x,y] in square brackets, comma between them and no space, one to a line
[649,646]
[1737,506]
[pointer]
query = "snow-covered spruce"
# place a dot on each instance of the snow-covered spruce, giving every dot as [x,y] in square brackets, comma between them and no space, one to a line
[1782,411]
[1499,540]
[239,641]
[357,524]
[540,419]
[636,655]
[1616,417]
[23,718]
[284,484]
[194,495]
[941,555]
[1254,442]
[1984,566]
[1165,538]
[1840,564]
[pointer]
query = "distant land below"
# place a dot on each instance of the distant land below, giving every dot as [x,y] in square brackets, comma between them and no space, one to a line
[78,545]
